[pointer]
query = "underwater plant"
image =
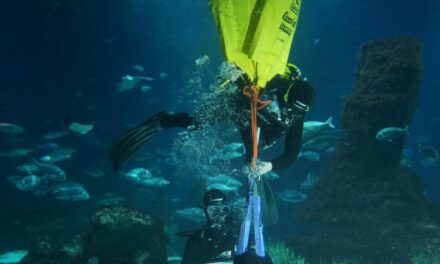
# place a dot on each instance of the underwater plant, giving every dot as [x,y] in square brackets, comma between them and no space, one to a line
[281,254]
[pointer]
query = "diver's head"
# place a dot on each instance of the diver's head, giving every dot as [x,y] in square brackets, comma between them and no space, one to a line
[292,72]
[215,207]
[299,93]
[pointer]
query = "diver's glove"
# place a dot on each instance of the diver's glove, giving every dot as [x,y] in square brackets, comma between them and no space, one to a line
[263,167]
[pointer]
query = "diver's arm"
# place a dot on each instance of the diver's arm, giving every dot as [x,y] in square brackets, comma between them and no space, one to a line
[291,146]
[302,97]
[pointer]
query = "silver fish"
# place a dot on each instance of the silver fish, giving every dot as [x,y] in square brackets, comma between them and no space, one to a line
[138,68]
[163,75]
[315,128]
[223,179]
[194,214]
[310,155]
[70,192]
[15,256]
[94,172]
[391,133]
[25,183]
[292,196]
[10,128]
[58,155]
[137,174]
[430,162]
[271,175]
[56,134]
[222,187]
[129,82]
[225,156]
[309,182]
[154,182]
[18,152]
[235,146]
[28,168]
[80,128]
[321,143]
[52,171]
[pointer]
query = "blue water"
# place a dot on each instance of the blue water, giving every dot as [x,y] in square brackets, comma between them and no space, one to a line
[64,59]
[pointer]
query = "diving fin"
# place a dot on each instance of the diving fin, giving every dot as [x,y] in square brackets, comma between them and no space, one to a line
[269,206]
[132,140]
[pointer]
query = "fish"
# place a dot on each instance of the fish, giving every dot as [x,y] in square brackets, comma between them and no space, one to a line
[58,155]
[94,172]
[271,175]
[52,171]
[137,174]
[315,128]
[110,199]
[292,196]
[225,156]
[239,202]
[223,179]
[163,75]
[129,82]
[321,143]
[154,182]
[28,168]
[222,187]
[235,146]
[391,133]
[78,127]
[193,214]
[428,150]
[422,139]
[310,155]
[309,182]
[8,128]
[56,134]
[93,260]
[145,88]
[138,68]
[25,183]
[70,191]
[11,257]
[18,152]
[430,162]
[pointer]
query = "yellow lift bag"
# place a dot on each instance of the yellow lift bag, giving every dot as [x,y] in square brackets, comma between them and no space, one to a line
[257,34]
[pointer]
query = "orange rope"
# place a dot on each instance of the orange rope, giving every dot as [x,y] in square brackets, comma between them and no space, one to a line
[252,92]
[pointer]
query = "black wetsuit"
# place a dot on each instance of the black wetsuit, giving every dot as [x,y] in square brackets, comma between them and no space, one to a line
[209,245]
[275,120]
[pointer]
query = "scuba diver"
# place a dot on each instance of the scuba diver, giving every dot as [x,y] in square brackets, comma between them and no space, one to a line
[290,95]
[215,243]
